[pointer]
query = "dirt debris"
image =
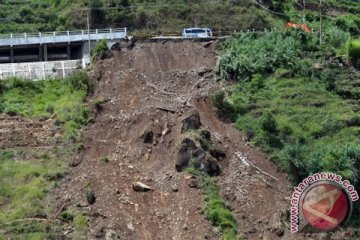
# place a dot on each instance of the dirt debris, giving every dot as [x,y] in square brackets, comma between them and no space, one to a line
[141,83]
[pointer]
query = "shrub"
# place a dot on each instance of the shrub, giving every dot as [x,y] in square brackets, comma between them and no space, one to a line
[80,221]
[354,53]
[90,196]
[80,81]
[101,50]
[291,159]
[104,159]
[226,108]
[268,123]
[336,37]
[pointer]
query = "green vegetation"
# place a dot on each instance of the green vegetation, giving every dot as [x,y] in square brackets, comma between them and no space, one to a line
[23,188]
[63,99]
[100,51]
[354,52]
[216,210]
[298,101]
[90,196]
[138,15]
[26,174]
[170,16]
[104,159]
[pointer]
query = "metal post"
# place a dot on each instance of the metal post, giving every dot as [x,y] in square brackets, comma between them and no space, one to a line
[88,27]
[11,54]
[68,51]
[320,22]
[45,53]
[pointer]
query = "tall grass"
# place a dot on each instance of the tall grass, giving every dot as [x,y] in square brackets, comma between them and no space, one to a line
[354,52]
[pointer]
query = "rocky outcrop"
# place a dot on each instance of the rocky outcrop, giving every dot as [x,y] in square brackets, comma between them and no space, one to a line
[191,123]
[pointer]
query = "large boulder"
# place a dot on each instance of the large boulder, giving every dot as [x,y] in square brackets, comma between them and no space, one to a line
[184,154]
[204,162]
[191,123]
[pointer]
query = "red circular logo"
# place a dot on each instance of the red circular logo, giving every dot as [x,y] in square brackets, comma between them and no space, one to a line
[325,206]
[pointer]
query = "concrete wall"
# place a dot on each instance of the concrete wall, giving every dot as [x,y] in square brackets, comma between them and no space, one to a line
[40,70]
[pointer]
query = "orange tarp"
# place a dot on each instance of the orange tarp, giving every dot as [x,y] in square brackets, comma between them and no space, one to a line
[303,26]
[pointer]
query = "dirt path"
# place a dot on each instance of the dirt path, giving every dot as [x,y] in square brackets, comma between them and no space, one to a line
[152,87]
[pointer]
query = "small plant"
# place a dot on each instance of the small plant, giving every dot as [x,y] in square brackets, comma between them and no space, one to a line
[80,221]
[99,102]
[67,216]
[90,196]
[104,159]
[226,109]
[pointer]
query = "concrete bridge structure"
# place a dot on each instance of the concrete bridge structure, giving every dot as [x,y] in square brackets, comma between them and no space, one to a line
[24,55]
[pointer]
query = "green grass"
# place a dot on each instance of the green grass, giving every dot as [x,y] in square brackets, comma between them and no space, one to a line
[27,175]
[298,113]
[63,99]
[354,52]
[216,210]
[23,188]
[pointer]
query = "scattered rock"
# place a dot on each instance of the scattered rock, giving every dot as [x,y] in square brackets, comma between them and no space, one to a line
[194,183]
[175,188]
[191,122]
[141,187]
[112,235]
[147,137]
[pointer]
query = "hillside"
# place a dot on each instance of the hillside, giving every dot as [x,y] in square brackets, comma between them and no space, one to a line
[182,138]
[165,16]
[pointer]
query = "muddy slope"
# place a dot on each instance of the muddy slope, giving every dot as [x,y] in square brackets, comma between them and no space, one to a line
[153,87]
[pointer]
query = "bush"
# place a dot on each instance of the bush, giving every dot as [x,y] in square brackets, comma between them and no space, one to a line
[336,37]
[101,50]
[354,53]
[90,196]
[263,53]
[268,123]
[80,81]
[226,108]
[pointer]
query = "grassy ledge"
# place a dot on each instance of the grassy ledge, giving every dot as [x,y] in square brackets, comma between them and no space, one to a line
[27,175]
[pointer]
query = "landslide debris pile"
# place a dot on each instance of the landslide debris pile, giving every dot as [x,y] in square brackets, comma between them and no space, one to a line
[153,118]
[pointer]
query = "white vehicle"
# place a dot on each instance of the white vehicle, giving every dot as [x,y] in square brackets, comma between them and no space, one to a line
[196,33]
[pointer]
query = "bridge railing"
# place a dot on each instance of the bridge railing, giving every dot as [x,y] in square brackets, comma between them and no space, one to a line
[62,37]
[63,33]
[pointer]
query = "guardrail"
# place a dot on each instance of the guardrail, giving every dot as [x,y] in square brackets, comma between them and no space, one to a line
[64,36]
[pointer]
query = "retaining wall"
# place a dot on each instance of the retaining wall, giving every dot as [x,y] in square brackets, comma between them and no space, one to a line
[40,70]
